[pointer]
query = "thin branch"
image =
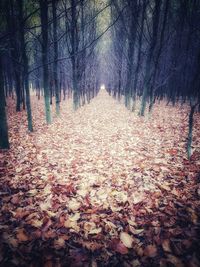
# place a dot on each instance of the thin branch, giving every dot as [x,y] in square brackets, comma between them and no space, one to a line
[86,47]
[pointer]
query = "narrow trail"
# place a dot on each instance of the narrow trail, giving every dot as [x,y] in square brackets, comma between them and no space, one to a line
[74,186]
[103,139]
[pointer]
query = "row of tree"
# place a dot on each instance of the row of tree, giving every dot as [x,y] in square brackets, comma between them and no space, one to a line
[49,46]
[155,53]
[156,50]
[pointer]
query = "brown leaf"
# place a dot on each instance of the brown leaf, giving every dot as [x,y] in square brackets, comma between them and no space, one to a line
[59,243]
[118,246]
[21,235]
[15,200]
[174,260]
[150,251]
[48,263]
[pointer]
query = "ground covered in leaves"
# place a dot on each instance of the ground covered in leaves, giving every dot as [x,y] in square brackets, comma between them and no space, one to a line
[100,187]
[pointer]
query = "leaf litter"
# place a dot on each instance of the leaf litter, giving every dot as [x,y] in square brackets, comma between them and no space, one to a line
[100,187]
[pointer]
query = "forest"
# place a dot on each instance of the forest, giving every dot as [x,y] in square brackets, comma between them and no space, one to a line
[100,133]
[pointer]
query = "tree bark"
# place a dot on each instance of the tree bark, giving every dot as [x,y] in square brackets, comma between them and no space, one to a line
[190,130]
[73,53]
[55,64]
[4,142]
[25,68]
[44,25]
[14,49]
[148,67]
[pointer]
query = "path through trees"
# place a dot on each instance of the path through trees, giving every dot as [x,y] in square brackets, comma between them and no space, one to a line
[94,175]
[104,187]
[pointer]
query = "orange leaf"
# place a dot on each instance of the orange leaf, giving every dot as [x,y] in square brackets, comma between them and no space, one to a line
[21,235]
[150,251]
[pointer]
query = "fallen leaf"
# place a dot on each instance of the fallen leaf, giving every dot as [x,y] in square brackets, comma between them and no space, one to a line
[126,239]
[15,200]
[73,205]
[166,245]
[117,246]
[135,263]
[59,243]
[150,251]
[36,223]
[95,231]
[21,235]
[174,260]
[75,217]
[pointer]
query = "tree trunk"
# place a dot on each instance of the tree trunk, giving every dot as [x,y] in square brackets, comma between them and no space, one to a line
[74,54]
[55,64]
[149,66]
[157,57]
[131,49]
[4,143]
[14,49]
[44,24]
[25,68]
[190,130]
[139,51]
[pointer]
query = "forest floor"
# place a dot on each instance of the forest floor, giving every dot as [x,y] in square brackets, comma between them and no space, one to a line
[100,187]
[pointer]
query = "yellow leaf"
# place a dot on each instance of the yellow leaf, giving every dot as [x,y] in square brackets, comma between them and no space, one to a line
[18,170]
[165,187]
[132,222]
[45,205]
[95,231]
[175,192]
[120,196]
[74,205]
[72,224]
[75,217]
[137,231]
[126,239]
[166,245]
[88,226]
[36,223]
[137,198]
[32,192]
[50,213]
[47,190]
[82,192]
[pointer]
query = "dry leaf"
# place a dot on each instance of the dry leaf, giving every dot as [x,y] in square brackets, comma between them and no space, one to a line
[135,263]
[166,245]
[75,217]
[174,260]
[126,239]
[150,251]
[59,243]
[21,235]
[95,231]
[73,204]
[118,246]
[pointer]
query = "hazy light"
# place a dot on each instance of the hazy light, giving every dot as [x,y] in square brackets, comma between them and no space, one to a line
[103,87]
